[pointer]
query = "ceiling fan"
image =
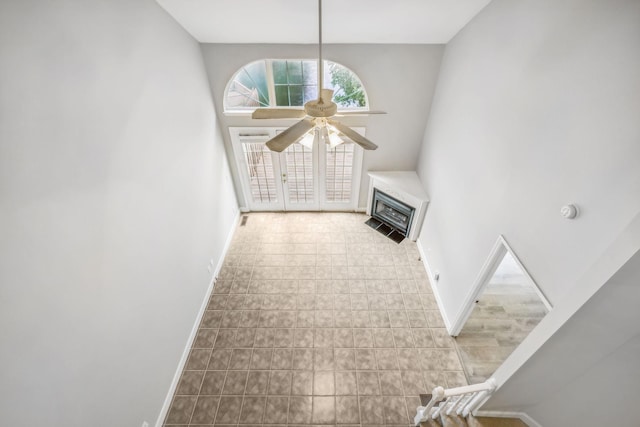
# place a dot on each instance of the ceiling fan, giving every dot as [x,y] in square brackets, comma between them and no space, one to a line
[316,123]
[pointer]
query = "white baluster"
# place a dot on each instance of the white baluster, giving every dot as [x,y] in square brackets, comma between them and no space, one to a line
[474,403]
[463,403]
[480,397]
[460,400]
[454,404]
[440,408]
[424,412]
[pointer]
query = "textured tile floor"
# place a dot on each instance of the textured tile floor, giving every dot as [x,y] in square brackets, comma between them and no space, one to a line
[315,319]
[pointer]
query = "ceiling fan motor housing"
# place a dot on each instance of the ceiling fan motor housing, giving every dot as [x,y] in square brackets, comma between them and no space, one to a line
[317,108]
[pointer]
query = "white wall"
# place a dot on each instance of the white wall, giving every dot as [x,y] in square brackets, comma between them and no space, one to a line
[399,79]
[537,105]
[114,195]
[587,374]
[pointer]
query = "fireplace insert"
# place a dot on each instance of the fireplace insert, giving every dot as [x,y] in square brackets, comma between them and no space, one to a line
[391,212]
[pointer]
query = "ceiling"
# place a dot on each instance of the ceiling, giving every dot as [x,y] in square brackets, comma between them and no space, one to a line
[344,21]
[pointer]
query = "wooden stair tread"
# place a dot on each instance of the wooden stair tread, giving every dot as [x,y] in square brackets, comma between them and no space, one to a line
[457,421]
[495,422]
[453,421]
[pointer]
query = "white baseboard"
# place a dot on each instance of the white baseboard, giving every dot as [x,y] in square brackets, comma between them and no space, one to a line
[447,322]
[192,336]
[525,418]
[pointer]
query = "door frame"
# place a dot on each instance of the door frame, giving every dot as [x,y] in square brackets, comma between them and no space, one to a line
[499,250]
[261,134]
[284,168]
[352,204]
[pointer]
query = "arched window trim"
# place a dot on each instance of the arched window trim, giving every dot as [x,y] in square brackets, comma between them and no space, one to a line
[244,111]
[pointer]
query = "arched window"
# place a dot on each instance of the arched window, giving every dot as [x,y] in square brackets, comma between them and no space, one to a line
[291,83]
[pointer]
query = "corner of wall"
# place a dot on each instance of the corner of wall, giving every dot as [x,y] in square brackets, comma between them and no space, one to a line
[192,336]
[448,324]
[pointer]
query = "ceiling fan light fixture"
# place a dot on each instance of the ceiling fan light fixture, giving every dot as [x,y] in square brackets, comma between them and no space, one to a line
[309,139]
[315,127]
[334,140]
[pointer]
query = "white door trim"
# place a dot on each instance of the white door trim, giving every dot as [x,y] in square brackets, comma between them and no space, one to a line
[259,135]
[356,176]
[500,248]
[284,169]
[263,134]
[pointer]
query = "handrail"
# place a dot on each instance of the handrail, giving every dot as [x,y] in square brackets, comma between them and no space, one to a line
[461,400]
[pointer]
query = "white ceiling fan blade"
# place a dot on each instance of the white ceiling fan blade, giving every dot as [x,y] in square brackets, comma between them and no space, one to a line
[290,136]
[278,113]
[353,135]
[360,113]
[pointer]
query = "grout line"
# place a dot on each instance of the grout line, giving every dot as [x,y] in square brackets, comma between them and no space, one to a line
[370,327]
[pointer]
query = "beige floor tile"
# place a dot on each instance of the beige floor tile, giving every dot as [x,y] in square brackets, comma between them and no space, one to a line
[324,409]
[205,410]
[318,319]
[345,383]
[257,382]
[252,409]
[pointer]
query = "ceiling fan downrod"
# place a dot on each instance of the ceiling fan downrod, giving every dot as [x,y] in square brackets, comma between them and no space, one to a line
[320,62]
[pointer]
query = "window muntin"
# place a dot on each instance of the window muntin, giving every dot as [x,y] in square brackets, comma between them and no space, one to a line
[300,175]
[248,87]
[339,173]
[295,82]
[292,83]
[259,165]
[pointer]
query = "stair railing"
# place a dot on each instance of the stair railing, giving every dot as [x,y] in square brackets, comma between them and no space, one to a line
[460,400]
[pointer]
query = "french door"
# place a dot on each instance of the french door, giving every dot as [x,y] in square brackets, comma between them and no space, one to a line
[299,178]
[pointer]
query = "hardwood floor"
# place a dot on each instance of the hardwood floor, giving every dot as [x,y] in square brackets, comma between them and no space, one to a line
[506,312]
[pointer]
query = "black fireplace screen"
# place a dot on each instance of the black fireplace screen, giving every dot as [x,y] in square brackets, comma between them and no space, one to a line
[391,211]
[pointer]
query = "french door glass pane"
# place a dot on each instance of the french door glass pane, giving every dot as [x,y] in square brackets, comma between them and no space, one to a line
[260,170]
[339,173]
[299,160]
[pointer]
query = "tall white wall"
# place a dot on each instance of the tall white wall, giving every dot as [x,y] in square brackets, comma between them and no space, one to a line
[399,79]
[536,106]
[590,362]
[114,195]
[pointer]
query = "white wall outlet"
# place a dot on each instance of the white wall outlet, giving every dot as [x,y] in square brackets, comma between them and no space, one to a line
[145,424]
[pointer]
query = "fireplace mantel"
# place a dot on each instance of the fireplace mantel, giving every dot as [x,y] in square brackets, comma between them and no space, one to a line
[407,188]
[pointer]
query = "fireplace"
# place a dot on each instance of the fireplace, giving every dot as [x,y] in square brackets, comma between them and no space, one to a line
[403,205]
[391,212]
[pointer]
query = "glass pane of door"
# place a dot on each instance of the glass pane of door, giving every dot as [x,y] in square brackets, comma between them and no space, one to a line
[339,173]
[261,172]
[299,177]
[260,169]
